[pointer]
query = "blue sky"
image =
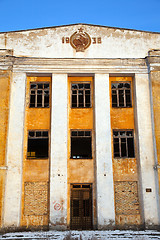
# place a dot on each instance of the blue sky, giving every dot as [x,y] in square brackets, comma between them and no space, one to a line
[28,14]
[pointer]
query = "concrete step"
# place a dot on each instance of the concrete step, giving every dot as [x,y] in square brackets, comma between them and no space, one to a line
[82,235]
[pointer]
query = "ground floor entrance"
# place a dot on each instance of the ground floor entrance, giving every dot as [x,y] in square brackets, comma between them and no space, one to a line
[81,207]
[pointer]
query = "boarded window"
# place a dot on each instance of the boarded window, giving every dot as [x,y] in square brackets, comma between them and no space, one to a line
[121,94]
[81,95]
[35,198]
[126,198]
[39,95]
[123,144]
[81,144]
[37,144]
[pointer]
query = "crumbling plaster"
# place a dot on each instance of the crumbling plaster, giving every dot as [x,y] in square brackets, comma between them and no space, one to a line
[47,42]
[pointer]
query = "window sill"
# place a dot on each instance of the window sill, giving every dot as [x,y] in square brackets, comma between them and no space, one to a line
[38,107]
[30,158]
[121,107]
[81,158]
[123,158]
[80,107]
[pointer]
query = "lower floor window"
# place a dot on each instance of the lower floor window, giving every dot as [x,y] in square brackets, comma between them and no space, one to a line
[123,141]
[81,144]
[37,144]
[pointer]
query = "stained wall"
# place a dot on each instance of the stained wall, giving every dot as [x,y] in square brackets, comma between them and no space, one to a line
[5,78]
[48,43]
[81,170]
[35,182]
[125,174]
[155,83]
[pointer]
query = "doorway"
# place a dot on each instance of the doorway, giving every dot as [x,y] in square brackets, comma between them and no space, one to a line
[81,207]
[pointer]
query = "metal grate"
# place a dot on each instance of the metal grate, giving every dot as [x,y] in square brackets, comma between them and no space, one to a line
[81,207]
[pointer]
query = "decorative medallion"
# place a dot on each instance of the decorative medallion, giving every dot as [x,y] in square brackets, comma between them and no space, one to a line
[80,40]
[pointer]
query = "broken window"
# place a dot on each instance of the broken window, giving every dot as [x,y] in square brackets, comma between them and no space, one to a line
[81,95]
[81,144]
[123,142]
[37,144]
[121,94]
[39,95]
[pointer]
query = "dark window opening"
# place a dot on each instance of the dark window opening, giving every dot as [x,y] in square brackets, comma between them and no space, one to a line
[123,144]
[81,144]
[81,95]
[86,208]
[37,144]
[121,94]
[39,95]
[75,208]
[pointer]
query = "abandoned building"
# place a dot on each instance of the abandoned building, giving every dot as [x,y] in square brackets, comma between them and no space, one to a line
[79,128]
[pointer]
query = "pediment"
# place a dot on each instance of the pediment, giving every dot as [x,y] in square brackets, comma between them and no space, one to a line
[80,41]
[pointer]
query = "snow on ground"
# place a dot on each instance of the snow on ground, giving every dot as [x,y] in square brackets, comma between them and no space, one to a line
[82,235]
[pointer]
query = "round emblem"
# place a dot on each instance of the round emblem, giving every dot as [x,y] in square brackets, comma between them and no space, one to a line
[80,40]
[57,206]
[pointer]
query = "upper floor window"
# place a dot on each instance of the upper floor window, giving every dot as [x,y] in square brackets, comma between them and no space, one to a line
[39,95]
[123,143]
[81,95]
[38,144]
[121,94]
[81,144]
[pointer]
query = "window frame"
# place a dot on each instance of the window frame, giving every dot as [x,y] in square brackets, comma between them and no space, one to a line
[43,106]
[81,130]
[117,94]
[126,137]
[79,82]
[48,137]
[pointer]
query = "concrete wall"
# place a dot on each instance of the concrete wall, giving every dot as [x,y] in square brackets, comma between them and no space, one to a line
[146,151]
[14,158]
[47,42]
[58,165]
[104,169]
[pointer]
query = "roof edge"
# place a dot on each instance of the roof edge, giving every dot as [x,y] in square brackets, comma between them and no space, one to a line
[74,24]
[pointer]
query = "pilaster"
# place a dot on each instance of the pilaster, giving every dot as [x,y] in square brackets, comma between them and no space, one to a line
[105,187]
[58,165]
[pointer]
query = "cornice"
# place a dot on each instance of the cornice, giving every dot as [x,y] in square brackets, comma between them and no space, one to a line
[72,65]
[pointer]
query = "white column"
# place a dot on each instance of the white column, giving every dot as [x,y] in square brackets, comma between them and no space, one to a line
[13,187]
[146,150]
[58,166]
[105,187]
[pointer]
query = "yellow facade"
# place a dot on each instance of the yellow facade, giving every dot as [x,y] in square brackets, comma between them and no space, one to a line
[155,76]
[4,115]
[35,170]
[80,170]
[124,169]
